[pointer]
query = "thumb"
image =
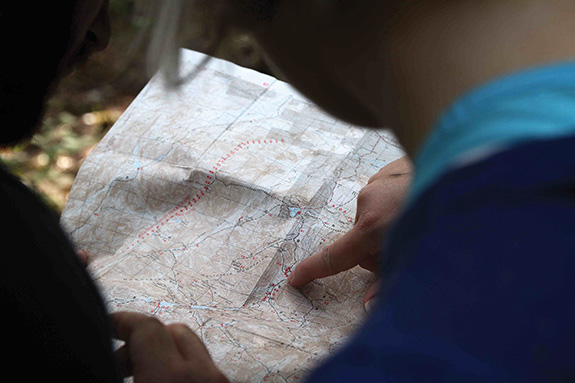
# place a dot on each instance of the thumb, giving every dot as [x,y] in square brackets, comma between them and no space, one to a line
[370,298]
[354,247]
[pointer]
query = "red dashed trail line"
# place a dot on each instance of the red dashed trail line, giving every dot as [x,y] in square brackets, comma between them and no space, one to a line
[186,205]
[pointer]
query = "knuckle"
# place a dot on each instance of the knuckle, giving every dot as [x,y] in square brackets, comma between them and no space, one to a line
[374,177]
[327,256]
[151,327]
[152,322]
[178,328]
[367,222]
[363,194]
[181,332]
[135,321]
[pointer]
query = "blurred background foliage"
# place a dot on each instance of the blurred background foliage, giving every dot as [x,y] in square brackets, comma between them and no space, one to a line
[89,101]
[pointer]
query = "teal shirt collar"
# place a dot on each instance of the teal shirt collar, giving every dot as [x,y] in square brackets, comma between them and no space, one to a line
[534,104]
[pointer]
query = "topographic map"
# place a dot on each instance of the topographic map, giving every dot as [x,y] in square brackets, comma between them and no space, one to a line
[199,202]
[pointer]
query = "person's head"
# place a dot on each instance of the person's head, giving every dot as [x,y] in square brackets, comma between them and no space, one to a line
[41,43]
[328,49]
[399,64]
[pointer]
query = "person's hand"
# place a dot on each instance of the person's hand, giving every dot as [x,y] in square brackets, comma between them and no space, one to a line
[378,203]
[158,353]
[83,257]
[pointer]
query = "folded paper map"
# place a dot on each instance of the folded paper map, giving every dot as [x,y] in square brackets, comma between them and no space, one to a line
[200,201]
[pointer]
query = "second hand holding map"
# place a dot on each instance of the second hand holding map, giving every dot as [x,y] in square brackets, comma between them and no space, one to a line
[200,201]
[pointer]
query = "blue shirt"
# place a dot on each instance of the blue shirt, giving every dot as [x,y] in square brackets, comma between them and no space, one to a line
[530,105]
[478,272]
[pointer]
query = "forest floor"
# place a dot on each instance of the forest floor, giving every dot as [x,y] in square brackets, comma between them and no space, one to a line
[89,101]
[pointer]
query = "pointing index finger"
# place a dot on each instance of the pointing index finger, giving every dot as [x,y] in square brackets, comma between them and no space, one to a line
[348,251]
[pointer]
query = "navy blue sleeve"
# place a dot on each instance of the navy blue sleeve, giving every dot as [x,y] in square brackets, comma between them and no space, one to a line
[478,279]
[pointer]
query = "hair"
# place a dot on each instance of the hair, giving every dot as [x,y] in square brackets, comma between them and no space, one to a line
[25,84]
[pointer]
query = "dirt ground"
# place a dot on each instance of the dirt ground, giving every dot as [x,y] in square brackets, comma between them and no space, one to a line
[89,101]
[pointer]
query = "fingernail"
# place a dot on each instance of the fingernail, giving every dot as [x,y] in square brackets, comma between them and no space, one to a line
[369,305]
